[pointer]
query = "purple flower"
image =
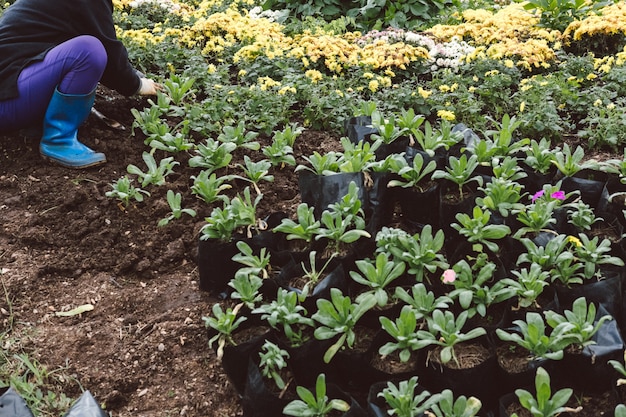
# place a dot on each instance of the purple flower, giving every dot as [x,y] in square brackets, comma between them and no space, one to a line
[537,195]
[558,195]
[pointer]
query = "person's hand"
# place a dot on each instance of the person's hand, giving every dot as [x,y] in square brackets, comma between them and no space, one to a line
[149,87]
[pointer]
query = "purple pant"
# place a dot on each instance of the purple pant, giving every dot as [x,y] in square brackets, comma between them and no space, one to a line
[75,67]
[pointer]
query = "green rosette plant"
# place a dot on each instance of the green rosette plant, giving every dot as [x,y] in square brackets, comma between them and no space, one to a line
[479,230]
[315,404]
[531,335]
[460,171]
[543,403]
[422,252]
[404,401]
[224,322]
[448,406]
[376,275]
[446,330]
[475,287]
[338,318]
[582,318]
[287,315]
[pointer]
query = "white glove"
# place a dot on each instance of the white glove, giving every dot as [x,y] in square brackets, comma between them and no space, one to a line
[148,87]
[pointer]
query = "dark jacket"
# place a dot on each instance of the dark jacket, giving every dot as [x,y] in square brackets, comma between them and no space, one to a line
[30,28]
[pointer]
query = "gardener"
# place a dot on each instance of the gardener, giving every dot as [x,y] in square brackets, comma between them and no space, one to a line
[52,56]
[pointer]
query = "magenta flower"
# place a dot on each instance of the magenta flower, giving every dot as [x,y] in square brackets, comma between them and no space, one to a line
[537,195]
[448,276]
[558,195]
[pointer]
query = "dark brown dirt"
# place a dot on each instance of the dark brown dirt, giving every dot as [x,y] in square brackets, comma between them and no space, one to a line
[143,350]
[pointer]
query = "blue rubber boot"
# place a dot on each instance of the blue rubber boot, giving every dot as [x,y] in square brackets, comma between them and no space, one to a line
[59,142]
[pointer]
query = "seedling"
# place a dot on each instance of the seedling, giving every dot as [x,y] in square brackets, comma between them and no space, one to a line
[175,201]
[338,317]
[474,289]
[246,288]
[254,264]
[208,186]
[404,332]
[305,228]
[376,275]
[421,252]
[478,229]
[404,401]
[531,335]
[446,330]
[544,404]
[447,406]
[212,155]
[325,164]
[286,314]
[421,300]
[314,405]
[411,175]
[388,130]
[239,136]
[125,191]
[583,319]
[528,284]
[255,172]
[432,139]
[225,323]
[273,359]
[460,171]
[312,274]
[156,173]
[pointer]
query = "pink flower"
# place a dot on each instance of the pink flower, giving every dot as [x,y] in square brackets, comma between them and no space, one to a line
[537,195]
[448,276]
[558,195]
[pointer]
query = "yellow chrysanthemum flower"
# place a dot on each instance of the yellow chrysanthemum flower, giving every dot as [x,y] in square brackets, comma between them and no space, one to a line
[446,115]
[424,93]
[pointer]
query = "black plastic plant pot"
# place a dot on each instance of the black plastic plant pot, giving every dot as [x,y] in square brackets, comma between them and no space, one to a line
[320,191]
[439,156]
[359,129]
[376,404]
[215,265]
[592,191]
[307,362]
[257,399]
[86,406]
[235,359]
[451,204]
[508,404]
[589,370]
[391,367]
[607,292]
[396,147]
[480,380]
[381,201]
[534,180]
[420,207]
[333,391]
[12,404]
[524,376]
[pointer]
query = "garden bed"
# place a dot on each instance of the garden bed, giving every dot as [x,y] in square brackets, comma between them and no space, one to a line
[143,350]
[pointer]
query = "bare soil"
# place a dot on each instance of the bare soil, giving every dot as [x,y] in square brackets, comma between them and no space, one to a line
[143,350]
